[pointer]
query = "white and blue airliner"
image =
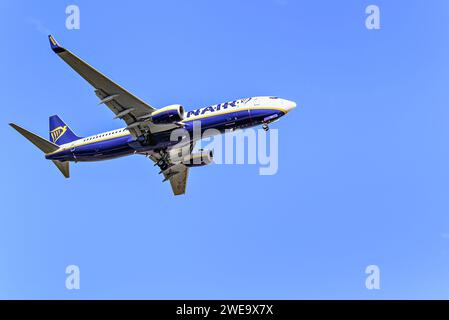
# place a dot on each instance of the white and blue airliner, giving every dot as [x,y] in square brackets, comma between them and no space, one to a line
[148,130]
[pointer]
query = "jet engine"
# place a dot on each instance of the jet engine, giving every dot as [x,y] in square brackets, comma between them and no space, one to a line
[168,114]
[198,159]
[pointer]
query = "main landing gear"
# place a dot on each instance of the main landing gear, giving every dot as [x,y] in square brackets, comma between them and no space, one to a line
[163,162]
[165,165]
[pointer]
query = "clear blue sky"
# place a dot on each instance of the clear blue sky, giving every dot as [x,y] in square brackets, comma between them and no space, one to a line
[364,161]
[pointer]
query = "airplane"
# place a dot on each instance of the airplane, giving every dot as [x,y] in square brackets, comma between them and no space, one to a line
[148,130]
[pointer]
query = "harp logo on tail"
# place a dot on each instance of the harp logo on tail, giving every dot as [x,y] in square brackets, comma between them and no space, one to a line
[57,133]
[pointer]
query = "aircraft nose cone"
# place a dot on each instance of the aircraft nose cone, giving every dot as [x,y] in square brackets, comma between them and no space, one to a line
[289,105]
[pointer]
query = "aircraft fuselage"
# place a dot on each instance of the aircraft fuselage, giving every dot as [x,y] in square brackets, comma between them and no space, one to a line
[221,117]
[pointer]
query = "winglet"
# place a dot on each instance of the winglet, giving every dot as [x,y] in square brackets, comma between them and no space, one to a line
[54,45]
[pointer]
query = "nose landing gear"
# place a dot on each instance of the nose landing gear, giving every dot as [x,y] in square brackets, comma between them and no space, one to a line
[265,127]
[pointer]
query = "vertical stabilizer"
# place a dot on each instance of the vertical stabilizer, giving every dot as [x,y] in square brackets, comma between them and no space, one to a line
[60,133]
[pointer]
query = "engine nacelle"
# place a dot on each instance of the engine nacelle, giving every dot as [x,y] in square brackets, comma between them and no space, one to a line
[168,114]
[198,159]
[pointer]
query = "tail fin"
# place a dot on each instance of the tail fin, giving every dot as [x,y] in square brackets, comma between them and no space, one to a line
[60,133]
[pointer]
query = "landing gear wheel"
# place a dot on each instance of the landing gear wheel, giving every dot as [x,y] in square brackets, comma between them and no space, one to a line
[265,127]
[163,159]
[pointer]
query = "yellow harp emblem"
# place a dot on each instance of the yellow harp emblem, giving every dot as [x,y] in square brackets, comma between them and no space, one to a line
[57,133]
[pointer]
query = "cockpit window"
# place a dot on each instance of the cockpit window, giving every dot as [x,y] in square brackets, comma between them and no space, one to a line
[274,98]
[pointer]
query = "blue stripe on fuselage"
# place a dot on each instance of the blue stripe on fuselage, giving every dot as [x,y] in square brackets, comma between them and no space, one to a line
[120,146]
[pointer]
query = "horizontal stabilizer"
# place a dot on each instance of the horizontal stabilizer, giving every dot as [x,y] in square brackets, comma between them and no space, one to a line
[43,144]
[63,167]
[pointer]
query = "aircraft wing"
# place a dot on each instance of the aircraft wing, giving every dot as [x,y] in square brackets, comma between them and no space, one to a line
[177,174]
[124,104]
[179,180]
